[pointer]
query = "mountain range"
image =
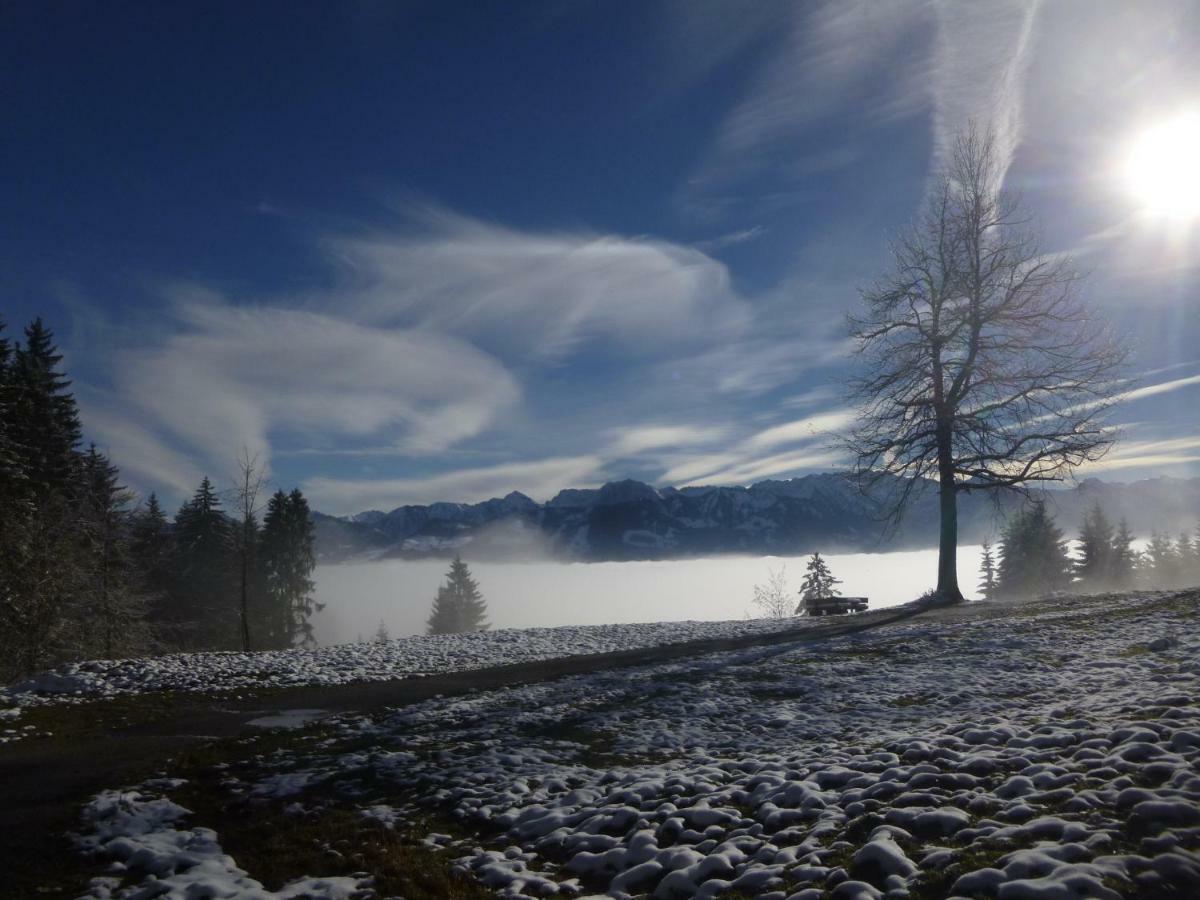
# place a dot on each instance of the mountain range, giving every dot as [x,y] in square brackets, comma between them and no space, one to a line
[630,520]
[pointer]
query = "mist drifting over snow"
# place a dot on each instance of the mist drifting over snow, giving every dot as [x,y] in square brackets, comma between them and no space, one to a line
[524,594]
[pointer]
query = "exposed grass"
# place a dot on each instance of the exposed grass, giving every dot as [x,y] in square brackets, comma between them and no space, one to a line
[599,747]
[934,885]
[775,693]
[1134,650]
[46,869]
[913,700]
[328,839]
[874,652]
[275,848]
[70,721]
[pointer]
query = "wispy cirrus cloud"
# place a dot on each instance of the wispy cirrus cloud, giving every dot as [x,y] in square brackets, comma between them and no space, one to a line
[818,426]
[887,61]
[830,55]
[756,455]
[536,295]
[1148,454]
[141,452]
[980,59]
[630,441]
[227,377]
[1162,387]
[434,335]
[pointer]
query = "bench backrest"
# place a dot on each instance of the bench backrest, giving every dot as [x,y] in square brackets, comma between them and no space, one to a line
[842,603]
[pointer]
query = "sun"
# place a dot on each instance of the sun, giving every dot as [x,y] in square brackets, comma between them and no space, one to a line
[1162,168]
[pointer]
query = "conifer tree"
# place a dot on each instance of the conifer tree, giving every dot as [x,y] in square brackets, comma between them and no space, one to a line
[1161,561]
[1095,566]
[288,557]
[112,611]
[1033,555]
[987,573]
[151,548]
[205,612]
[45,419]
[1184,554]
[1124,557]
[11,474]
[381,633]
[459,606]
[1194,562]
[818,582]
[150,543]
[41,564]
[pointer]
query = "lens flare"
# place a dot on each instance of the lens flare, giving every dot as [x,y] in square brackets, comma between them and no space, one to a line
[1162,169]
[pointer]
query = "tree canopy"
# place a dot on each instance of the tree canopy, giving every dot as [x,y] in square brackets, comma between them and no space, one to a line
[982,366]
[459,606]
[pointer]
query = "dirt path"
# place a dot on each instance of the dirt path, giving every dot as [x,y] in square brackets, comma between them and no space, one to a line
[44,782]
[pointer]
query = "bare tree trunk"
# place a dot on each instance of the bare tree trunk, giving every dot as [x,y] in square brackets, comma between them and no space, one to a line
[947,582]
[250,483]
[245,587]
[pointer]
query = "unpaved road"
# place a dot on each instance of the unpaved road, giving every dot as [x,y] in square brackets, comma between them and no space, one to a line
[45,782]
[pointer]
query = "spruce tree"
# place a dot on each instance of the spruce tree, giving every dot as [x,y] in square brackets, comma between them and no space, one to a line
[1095,566]
[818,582]
[41,558]
[205,614]
[112,609]
[1161,564]
[1184,554]
[1033,555]
[987,573]
[1194,562]
[12,477]
[288,557]
[151,548]
[45,419]
[1124,557]
[459,606]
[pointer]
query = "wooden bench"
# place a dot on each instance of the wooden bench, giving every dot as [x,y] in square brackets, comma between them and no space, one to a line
[832,606]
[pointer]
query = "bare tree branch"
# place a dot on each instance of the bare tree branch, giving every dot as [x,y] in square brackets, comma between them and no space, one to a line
[982,366]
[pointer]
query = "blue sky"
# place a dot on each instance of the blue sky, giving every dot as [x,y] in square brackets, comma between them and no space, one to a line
[436,251]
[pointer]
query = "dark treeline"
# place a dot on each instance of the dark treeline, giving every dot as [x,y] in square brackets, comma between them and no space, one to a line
[1034,557]
[86,571]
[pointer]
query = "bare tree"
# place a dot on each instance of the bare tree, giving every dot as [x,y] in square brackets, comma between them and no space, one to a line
[773,599]
[250,483]
[983,367]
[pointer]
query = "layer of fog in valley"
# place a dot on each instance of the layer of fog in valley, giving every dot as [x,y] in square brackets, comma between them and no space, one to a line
[398,593]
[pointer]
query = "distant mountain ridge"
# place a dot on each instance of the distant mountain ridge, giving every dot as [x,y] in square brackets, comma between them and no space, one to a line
[631,520]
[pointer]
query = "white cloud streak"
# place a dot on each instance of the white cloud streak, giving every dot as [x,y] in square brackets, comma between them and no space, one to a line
[822,425]
[1163,387]
[750,460]
[1147,455]
[538,295]
[139,453]
[980,59]
[639,439]
[230,377]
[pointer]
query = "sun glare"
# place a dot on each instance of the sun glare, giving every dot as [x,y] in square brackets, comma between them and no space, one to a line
[1163,168]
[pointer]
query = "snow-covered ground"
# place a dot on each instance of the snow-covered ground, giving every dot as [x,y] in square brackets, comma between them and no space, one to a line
[366,661]
[1050,752]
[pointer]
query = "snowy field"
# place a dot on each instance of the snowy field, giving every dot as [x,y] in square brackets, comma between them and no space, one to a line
[1052,752]
[347,663]
[398,593]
